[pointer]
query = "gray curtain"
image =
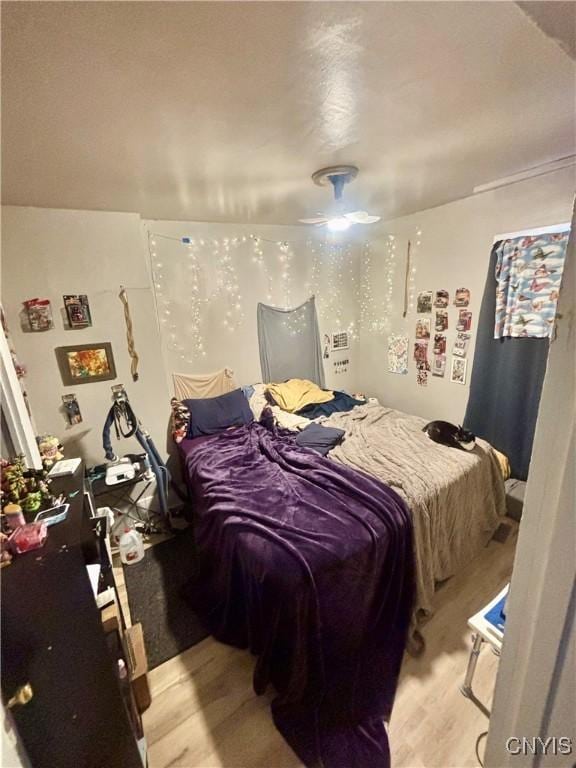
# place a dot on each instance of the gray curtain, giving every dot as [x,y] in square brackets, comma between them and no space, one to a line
[506,384]
[289,343]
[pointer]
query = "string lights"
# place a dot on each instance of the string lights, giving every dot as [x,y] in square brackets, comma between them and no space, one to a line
[203,283]
[375,315]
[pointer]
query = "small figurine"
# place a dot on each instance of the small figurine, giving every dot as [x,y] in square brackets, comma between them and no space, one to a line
[51,450]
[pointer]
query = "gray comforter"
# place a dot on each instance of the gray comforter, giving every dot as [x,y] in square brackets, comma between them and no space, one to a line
[456,496]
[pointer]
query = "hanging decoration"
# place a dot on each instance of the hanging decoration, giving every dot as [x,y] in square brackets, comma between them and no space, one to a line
[423,328]
[234,315]
[123,296]
[398,354]
[461,342]
[375,315]
[422,368]
[39,314]
[441,299]
[441,323]
[78,311]
[439,344]
[414,252]
[439,366]
[464,320]
[458,370]
[462,297]
[407,278]
[424,302]
[72,409]
[206,286]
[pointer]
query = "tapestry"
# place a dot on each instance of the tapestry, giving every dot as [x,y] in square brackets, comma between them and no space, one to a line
[528,276]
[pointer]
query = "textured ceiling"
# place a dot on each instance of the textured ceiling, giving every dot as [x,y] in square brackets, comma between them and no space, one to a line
[220,111]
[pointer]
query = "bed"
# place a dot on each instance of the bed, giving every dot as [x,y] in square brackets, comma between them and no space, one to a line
[324,567]
[456,497]
[309,564]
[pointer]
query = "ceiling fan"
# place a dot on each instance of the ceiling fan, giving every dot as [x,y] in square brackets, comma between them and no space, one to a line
[339,219]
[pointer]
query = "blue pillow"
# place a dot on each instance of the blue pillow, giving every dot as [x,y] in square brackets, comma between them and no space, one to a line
[211,415]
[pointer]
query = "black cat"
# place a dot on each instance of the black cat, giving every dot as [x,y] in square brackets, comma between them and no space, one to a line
[447,434]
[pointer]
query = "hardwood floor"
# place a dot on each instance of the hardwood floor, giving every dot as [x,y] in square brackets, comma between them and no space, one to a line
[204,713]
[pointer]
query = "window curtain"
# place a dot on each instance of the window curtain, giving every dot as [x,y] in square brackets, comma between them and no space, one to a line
[289,343]
[507,376]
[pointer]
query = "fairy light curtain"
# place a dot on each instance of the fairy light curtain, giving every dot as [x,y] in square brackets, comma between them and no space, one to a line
[289,342]
[207,290]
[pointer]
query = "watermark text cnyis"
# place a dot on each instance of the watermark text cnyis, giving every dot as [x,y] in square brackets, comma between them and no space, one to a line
[539,745]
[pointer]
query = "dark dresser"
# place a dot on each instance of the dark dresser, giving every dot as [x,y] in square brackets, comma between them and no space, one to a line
[82,713]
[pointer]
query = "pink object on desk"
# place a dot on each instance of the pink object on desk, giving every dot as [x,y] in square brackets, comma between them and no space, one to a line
[28,537]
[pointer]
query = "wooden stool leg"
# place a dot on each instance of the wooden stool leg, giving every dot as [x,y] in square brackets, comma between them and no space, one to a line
[466,688]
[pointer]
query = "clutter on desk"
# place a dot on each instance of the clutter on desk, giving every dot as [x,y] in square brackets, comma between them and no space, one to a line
[51,449]
[53,515]
[26,487]
[65,467]
[28,537]
[5,554]
[14,516]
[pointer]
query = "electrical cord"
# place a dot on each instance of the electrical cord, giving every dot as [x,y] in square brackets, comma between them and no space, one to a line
[478,740]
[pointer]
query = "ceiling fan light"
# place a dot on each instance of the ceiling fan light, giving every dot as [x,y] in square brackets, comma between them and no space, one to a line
[338,224]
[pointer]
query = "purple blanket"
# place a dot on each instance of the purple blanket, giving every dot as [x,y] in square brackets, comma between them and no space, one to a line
[309,564]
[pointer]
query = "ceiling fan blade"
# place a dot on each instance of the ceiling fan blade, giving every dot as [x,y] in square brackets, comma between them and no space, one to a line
[369,220]
[315,220]
[361,217]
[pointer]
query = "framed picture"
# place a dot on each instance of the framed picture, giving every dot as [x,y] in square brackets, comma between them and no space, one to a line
[78,311]
[86,363]
[458,370]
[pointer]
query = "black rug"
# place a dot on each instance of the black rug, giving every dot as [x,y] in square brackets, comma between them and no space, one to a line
[155,589]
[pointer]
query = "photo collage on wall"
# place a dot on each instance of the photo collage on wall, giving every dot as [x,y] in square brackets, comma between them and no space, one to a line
[78,363]
[439,301]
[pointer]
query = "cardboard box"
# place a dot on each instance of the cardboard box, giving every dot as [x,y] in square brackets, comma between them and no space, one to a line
[137,666]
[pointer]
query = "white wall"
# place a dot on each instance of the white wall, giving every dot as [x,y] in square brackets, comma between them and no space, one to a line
[48,253]
[455,248]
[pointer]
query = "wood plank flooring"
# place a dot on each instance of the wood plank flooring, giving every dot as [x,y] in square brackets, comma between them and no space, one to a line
[204,713]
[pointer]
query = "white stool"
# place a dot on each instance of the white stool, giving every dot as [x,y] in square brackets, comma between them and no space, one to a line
[483,632]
